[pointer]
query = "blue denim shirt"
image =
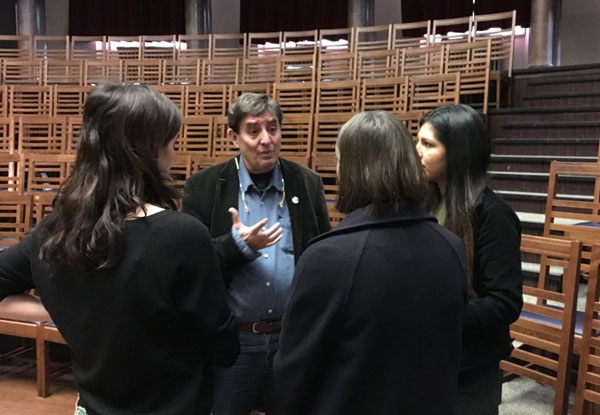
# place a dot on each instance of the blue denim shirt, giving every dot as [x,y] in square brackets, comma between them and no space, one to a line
[260,291]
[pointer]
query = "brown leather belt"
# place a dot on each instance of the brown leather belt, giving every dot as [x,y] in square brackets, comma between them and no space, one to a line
[261,327]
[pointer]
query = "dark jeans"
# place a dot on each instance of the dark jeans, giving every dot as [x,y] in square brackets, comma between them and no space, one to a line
[480,393]
[249,382]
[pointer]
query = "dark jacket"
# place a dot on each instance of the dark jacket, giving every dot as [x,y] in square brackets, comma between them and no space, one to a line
[212,191]
[375,319]
[497,282]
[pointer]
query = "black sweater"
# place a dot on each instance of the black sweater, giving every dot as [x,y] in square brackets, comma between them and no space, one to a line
[144,333]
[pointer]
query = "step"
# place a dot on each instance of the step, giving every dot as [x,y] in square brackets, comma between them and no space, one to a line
[575,186]
[564,149]
[533,110]
[578,129]
[562,95]
[570,80]
[534,202]
[531,163]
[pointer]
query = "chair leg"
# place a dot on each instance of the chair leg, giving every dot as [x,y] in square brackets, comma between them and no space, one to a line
[42,363]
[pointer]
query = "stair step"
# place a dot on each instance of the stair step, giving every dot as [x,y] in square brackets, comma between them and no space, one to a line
[541,140]
[542,159]
[562,95]
[566,124]
[544,110]
[564,80]
[541,195]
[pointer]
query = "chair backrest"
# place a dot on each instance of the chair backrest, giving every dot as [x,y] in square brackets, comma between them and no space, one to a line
[15,211]
[503,42]
[299,43]
[337,67]
[194,46]
[147,71]
[222,146]
[22,72]
[29,100]
[124,47]
[181,71]
[46,172]
[16,47]
[327,127]
[63,72]
[234,91]
[388,94]
[51,47]
[73,133]
[88,47]
[69,100]
[411,35]
[336,40]
[7,135]
[96,72]
[338,96]
[370,38]
[159,47]
[264,44]
[431,91]
[175,93]
[205,100]
[547,319]
[587,393]
[295,97]
[297,68]
[195,136]
[422,61]
[42,134]
[411,119]
[222,70]
[378,64]
[296,137]
[573,205]
[455,30]
[228,45]
[260,69]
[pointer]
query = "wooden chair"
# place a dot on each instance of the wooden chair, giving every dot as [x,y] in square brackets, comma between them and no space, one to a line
[69,100]
[15,214]
[228,45]
[159,47]
[46,332]
[326,167]
[411,119]
[12,174]
[503,46]
[45,174]
[587,395]
[181,71]
[73,133]
[422,61]
[147,72]
[431,91]
[234,91]
[302,42]
[124,47]
[221,71]
[411,35]
[205,100]
[3,100]
[337,67]
[472,60]
[7,135]
[16,47]
[194,46]
[181,169]
[195,136]
[22,72]
[327,127]
[370,38]
[338,96]
[296,137]
[42,134]
[295,97]
[29,100]
[336,40]
[222,146]
[51,47]
[546,325]
[96,72]
[378,64]
[63,72]
[297,68]
[88,47]
[335,217]
[260,70]
[175,93]
[387,94]
[264,44]
[455,30]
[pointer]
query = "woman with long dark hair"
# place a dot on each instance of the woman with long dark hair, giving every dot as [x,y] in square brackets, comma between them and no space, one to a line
[375,317]
[133,286]
[455,152]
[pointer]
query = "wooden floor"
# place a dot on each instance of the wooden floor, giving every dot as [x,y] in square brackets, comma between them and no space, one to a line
[18,393]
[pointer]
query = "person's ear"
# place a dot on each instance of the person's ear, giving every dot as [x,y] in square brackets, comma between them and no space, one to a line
[233,137]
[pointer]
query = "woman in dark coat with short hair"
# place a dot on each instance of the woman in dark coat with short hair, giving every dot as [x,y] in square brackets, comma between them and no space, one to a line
[375,319]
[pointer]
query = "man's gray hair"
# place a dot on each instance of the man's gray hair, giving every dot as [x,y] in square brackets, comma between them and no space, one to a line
[253,104]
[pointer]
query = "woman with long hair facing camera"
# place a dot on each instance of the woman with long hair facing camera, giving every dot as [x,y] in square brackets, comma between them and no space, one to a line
[455,152]
[375,317]
[133,285]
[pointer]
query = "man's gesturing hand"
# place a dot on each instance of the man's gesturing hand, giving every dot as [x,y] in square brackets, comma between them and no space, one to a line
[255,236]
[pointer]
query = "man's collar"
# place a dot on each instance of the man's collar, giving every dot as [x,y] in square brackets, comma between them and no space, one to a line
[246,181]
